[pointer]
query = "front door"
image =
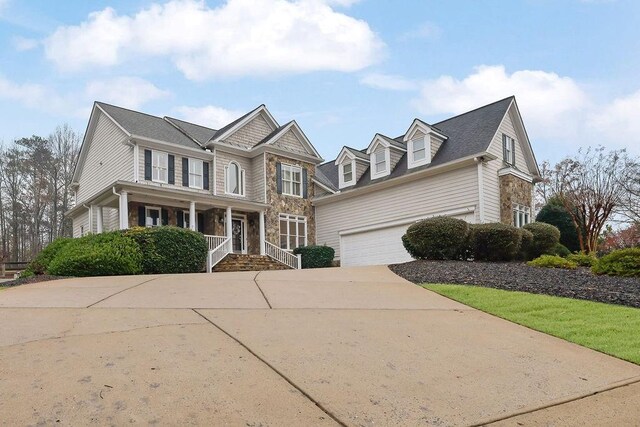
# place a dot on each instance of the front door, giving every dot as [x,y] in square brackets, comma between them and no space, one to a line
[238,235]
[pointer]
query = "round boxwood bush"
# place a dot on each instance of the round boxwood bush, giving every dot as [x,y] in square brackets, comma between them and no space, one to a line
[40,263]
[525,243]
[623,262]
[440,237]
[170,249]
[555,214]
[560,250]
[583,259]
[495,242]
[545,238]
[552,261]
[105,254]
[315,256]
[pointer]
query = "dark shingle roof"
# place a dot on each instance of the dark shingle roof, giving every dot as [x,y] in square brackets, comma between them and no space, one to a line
[468,134]
[223,129]
[201,134]
[147,126]
[362,154]
[273,133]
[321,176]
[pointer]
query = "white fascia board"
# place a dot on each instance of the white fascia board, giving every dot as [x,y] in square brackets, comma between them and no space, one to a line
[260,110]
[375,141]
[425,128]
[531,154]
[515,172]
[295,128]
[403,221]
[324,187]
[345,152]
[172,148]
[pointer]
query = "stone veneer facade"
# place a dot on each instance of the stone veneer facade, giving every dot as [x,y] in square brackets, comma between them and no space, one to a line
[513,190]
[279,203]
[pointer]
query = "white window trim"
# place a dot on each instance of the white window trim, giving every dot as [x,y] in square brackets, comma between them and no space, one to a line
[521,210]
[193,174]
[292,169]
[146,215]
[427,155]
[387,161]
[341,181]
[154,166]
[289,218]
[510,144]
[241,177]
[186,216]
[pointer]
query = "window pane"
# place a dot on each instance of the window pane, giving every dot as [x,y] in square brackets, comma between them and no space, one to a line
[301,241]
[292,242]
[283,241]
[420,154]
[301,229]
[515,218]
[232,179]
[296,189]
[347,168]
[296,176]
[418,144]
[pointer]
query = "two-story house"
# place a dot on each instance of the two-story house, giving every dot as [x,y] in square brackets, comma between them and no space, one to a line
[255,187]
[247,186]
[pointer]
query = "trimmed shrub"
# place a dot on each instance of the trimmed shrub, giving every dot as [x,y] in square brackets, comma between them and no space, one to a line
[170,249]
[495,242]
[40,263]
[552,261]
[560,250]
[555,214]
[623,262]
[440,237]
[103,254]
[545,238]
[526,242]
[316,256]
[583,259]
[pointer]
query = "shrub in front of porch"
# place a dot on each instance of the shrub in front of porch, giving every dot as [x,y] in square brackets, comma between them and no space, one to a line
[105,254]
[170,249]
[315,256]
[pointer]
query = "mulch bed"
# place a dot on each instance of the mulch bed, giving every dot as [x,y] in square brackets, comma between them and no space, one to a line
[514,276]
[32,279]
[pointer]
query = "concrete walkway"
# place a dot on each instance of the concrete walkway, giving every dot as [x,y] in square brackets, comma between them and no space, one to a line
[350,346]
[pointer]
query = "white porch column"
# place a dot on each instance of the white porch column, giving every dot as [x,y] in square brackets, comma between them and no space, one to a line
[262,234]
[99,219]
[123,210]
[228,223]
[192,216]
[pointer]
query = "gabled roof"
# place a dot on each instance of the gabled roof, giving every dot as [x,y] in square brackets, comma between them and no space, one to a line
[240,121]
[146,126]
[467,134]
[353,154]
[391,142]
[201,134]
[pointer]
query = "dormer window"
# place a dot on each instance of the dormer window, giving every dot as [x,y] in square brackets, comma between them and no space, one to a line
[419,150]
[380,162]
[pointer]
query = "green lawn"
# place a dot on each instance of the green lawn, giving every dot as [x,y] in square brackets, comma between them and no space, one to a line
[611,329]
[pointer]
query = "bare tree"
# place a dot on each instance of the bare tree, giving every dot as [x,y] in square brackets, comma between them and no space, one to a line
[630,181]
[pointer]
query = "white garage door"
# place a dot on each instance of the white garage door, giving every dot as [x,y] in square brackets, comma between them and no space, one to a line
[382,246]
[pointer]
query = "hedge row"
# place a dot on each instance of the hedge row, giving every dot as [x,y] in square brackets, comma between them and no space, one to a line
[315,256]
[134,251]
[446,238]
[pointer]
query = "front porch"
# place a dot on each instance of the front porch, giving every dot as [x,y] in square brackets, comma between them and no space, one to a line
[230,225]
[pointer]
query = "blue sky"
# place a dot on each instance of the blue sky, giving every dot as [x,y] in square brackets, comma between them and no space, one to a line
[343,69]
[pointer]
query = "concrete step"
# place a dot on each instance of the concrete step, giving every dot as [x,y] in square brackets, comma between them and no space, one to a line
[240,262]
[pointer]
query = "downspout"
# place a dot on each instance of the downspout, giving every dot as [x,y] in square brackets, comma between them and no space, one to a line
[480,162]
[90,217]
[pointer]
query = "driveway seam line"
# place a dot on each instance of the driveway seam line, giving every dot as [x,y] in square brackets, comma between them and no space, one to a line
[605,389]
[255,280]
[277,371]
[121,291]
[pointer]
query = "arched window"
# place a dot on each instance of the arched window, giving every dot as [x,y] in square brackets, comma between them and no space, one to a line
[234,178]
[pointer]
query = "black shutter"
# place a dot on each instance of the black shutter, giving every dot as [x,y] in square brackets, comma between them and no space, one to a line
[165,217]
[201,222]
[304,183]
[180,218]
[504,148]
[513,152]
[185,172]
[147,165]
[279,177]
[172,169]
[205,175]
[142,220]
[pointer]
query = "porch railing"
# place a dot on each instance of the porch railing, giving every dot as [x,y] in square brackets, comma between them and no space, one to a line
[218,253]
[282,256]
[214,241]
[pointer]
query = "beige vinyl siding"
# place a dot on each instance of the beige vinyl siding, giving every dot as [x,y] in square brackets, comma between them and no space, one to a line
[178,171]
[290,142]
[257,174]
[110,219]
[222,160]
[395,156]
[439,193]
[507,128]
[435,143]
[319,191]
[80,220]
[361,168]
[251,133]
[108,159]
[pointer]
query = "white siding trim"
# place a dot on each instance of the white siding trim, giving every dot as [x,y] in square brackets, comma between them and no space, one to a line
[515,172]
[480,192]
[136,162]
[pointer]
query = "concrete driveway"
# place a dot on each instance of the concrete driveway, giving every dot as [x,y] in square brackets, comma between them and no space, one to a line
[349,346]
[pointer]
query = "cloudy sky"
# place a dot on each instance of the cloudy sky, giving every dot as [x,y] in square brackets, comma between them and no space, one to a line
[344,69]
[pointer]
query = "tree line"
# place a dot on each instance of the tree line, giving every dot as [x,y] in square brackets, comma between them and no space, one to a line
[35,191]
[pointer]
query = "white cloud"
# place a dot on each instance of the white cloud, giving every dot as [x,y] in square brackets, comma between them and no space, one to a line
[33,95]
[388,81]
[22,43]
[241,37]
[548,101]
[210,115]
[620,120]
[128,92]
[428,30]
